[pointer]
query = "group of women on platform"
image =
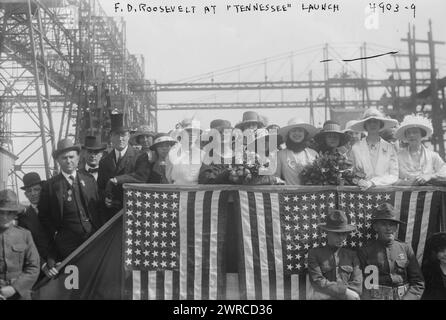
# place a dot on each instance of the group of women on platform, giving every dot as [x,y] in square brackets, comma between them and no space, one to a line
[381,162]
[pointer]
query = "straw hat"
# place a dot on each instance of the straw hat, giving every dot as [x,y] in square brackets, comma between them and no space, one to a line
[373,113]
[162,138]
[332,127]
[411,121]
[298,123]
[143,130]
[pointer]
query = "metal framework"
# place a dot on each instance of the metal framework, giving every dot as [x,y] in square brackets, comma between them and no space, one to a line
[64,67]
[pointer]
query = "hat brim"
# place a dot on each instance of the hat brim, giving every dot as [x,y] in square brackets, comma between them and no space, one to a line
[388,219]
[312,131]
[319,137]
[76,147]
[16,208]
[98,148]
[245,123]
[346,228]
[400,132]
[138,134]
[32,184]
[121,129]
[153,146]
[388,123]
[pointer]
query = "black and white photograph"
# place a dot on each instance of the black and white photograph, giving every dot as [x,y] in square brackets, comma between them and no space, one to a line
[222,155]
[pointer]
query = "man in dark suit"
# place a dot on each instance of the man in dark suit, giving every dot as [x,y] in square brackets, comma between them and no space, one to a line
[29,219]
[68,207]
[93,152]
[121,160]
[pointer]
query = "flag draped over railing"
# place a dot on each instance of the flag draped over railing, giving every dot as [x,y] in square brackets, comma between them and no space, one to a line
[279,227]
[171,242]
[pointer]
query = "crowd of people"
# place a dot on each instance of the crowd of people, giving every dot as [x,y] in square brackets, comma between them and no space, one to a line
[374,151]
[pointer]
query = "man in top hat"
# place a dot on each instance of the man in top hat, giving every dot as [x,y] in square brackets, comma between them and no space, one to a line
[19,259]
[94,150]
[69,206]
[400,276]
[29,219]
[121,160]
[335,273]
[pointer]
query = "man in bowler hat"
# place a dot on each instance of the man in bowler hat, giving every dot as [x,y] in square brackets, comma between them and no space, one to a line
[334,271]
[19,259]
[121,160]
[29,219]
[69,206]
[94,151]
[399,274]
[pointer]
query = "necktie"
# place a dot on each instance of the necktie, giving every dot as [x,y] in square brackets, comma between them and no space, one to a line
[118,157]
[71,179]
[93,170]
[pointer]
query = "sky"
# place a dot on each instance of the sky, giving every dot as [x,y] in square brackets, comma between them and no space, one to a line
[259,46]
[178,46]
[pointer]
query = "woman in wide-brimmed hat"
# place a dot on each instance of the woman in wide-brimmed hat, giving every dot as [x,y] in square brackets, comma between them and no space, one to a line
[297,155]
[417,164]
[335,279]
[331,137]
[151,171]
[144,137]
[373,156]
[185,158]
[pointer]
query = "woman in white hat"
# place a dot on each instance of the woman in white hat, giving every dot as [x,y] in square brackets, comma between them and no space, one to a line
[184,160]
[373,156]
[417,164]
[292,160]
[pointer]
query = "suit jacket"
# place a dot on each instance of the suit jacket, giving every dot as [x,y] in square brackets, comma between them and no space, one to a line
[386,169]
[30,221]
[51,203]
[108,168]
[331,278]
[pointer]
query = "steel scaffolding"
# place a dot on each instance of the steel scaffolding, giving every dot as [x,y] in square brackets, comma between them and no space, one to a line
[64,67]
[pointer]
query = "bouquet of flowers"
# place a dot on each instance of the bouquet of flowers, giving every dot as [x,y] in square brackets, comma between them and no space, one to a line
[244,172]
[331,168]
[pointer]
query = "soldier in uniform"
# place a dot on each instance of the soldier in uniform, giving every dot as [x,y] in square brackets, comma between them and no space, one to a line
[400,276]
[19,259]
[334,271]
